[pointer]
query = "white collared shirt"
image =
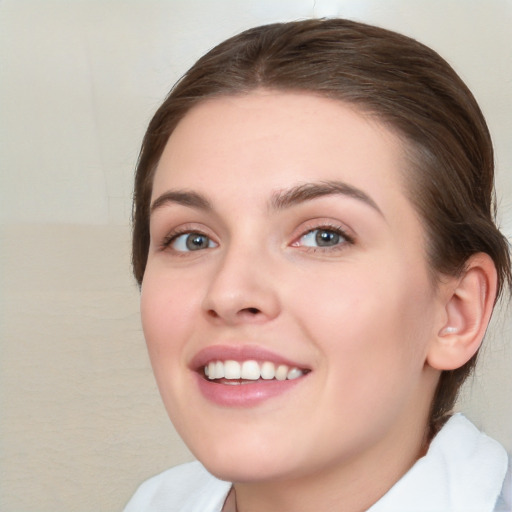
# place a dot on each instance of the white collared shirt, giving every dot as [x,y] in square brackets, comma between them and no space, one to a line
[464,470]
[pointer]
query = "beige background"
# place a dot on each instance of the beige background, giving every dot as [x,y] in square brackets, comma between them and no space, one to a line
[81,420]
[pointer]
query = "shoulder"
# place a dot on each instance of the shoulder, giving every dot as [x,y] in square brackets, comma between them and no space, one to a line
[185,488]
[464,470]
[481,462]
[504,503]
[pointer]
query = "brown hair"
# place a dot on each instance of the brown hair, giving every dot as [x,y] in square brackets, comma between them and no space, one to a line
[401,82]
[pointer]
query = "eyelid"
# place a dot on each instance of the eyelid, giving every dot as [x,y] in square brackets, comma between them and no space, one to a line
[164,242]
[327,225]
[185,229]
[181,246]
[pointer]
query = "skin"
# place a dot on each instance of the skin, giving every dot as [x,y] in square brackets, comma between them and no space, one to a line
[362,314]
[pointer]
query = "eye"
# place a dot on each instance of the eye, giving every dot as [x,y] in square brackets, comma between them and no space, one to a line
[191,241]
[323,237]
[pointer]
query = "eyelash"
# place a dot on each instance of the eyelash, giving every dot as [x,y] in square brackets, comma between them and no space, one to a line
[331,228]
[174,235]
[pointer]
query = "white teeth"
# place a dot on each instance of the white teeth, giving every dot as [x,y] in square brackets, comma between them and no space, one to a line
[219,370]
[268,370]
[281,372]
[211,370]
[294,373]
[232,370]
[250,370]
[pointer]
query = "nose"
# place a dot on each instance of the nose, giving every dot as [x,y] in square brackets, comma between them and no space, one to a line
[243,288]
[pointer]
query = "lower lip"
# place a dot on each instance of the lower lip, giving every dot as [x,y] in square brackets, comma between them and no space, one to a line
[244,395]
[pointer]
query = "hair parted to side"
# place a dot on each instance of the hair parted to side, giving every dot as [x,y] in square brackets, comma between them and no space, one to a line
[403,84]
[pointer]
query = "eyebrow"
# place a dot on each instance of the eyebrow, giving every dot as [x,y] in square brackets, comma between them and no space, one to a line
[308,191]
[183,197]
[279,201]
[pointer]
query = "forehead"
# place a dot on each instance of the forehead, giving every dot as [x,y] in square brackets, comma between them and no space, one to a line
[271,140]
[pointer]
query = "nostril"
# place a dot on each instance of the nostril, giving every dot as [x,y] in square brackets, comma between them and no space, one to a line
[243,312]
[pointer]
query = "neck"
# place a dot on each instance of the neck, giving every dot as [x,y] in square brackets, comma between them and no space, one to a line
[352,485]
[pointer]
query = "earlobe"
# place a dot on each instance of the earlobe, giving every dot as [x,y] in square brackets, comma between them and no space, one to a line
[468,306]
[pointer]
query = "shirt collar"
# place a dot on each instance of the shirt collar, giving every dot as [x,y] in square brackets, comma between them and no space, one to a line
[463,471]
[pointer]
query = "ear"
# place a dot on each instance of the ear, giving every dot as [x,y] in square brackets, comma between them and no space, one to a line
[468,304]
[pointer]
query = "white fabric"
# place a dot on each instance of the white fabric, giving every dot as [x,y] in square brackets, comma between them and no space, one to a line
[185,488]
[463,471]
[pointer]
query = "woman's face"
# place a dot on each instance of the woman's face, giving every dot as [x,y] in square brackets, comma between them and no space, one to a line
[282,243]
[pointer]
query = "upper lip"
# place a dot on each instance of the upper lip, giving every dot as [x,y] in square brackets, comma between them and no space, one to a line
[240,353]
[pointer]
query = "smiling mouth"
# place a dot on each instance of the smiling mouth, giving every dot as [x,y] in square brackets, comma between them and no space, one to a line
[250,371]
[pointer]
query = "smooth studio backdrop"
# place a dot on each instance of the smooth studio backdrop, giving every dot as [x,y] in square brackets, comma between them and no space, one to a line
[81,423]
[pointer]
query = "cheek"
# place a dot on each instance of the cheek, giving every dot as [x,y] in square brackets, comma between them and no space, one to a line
[373,331]
[167,313]
[167,307]
[370,319]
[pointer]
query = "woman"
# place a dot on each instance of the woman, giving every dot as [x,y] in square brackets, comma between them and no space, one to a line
[318,261]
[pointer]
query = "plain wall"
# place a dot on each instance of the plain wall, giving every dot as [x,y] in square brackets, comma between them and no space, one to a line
[81,420]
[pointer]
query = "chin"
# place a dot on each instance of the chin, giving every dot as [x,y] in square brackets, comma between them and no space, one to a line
[244,471]
[246,462]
